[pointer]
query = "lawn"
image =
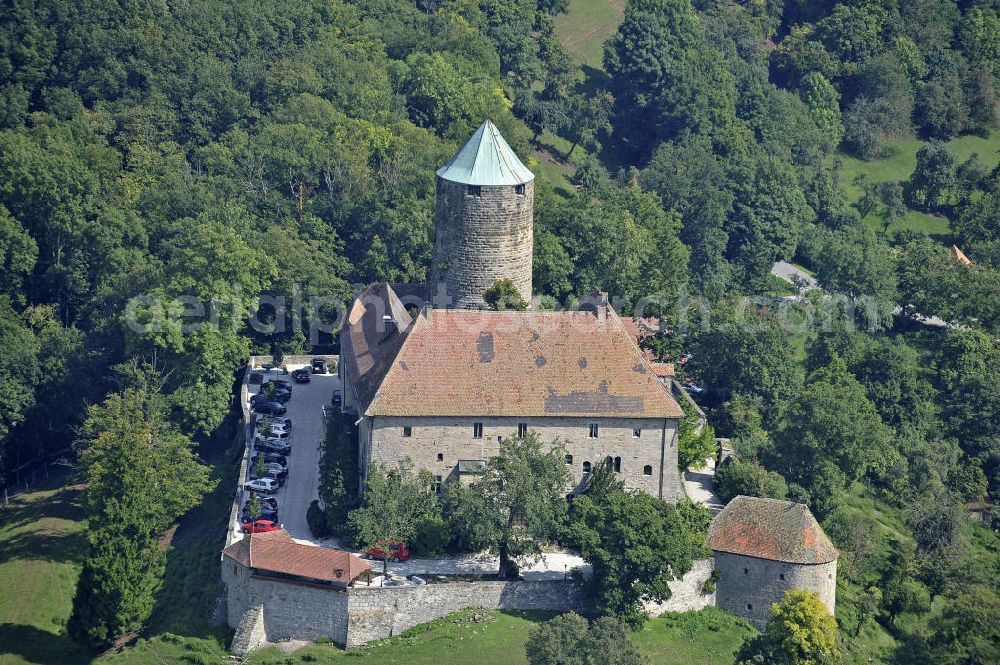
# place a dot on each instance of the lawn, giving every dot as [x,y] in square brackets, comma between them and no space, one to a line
[585,27]
[40,549]
[899,164]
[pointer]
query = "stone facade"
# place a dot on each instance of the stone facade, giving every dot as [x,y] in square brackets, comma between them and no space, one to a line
[292,610]
[647,462]
[482,234]
[748,586]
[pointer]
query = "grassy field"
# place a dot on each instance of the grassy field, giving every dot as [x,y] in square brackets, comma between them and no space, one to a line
[40,549]
[585,27]
[898,165]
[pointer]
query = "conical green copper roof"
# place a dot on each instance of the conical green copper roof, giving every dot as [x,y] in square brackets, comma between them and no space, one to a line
[486,159]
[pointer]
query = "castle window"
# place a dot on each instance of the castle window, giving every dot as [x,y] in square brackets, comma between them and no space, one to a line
[750,607]
[636,433]
[618,465]
[647,470]
[437,484]
[407,430]
[522,430]
[440,457]
[746,571]
[519,190]
[477,430]
[593,431]
[781,576]
[586,467]
[499,438]
[474,190]
[569,459]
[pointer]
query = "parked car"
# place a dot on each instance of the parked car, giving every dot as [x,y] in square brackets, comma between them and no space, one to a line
[275,408]
[274,457]
[280,469]
[260,526]
[272,446]
[692,388]
[266,502]
[319,365]
[265,514]
[284,421]
[273,434]
[338,397]
[262,485]
[277,476]
[302,375]
[391,549]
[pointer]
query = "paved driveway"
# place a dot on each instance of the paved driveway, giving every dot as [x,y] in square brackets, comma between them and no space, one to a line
[306,409]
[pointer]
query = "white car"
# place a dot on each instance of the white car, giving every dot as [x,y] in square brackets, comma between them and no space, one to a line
[262,485]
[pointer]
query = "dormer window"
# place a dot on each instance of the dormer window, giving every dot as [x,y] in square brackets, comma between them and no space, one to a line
[474,190]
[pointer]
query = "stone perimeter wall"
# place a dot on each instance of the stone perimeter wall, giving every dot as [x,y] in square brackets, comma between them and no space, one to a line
[362,614]
[376,613]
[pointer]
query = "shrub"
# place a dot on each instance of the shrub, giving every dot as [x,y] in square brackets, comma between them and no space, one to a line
[432,536]
[316,519]
[750,479]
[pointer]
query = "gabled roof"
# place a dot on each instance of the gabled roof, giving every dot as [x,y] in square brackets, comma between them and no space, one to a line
[276,552]
[484,363]
[770,529]
[960,256]
[369,345]
[486,159]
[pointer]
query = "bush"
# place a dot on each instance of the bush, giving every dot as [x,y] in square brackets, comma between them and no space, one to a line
[750,479]
[432,536]
[316,519]
[708,586]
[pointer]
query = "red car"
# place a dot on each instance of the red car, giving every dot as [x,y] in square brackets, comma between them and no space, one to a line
[391,550]
[260,526]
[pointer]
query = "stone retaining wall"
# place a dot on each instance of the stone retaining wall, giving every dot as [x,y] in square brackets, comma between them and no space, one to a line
[377,613]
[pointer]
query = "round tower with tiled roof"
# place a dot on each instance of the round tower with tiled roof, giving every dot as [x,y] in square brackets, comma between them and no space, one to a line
[483,222]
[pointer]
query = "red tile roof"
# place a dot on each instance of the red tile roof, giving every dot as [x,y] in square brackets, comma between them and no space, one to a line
[276,552]
[662,370]
[770,529]
[471,362]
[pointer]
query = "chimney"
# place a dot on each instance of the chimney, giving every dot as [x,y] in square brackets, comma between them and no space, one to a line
[389,326]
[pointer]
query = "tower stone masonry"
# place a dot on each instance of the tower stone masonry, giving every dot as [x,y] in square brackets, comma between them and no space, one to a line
[484,221]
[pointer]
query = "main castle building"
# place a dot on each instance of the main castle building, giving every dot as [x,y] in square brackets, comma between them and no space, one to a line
[443,387]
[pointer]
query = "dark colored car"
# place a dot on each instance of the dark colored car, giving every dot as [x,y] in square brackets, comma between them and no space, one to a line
[319,365]
[391,550]
[260,526]
[265,514]
[273,408]
[302,375]
[274,457]
[272,446]
[266,502]
[278,476]
[338,397]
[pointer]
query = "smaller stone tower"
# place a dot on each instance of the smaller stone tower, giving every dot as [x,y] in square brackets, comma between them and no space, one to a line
[765,547]
[483,222]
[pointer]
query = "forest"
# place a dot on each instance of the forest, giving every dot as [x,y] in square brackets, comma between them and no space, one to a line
[155,154]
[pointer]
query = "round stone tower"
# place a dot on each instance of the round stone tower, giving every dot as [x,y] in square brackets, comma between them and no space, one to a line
[483,222]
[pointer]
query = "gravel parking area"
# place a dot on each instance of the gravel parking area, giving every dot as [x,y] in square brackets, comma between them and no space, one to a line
[307,409]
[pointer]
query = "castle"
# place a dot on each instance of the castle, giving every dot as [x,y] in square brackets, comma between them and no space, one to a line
[443,382]
[444,387]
